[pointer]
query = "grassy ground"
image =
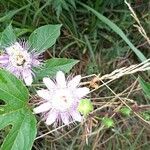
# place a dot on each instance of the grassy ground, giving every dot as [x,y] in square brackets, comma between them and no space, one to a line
[101,50]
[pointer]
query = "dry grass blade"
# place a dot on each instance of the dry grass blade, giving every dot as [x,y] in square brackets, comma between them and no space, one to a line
[139,26]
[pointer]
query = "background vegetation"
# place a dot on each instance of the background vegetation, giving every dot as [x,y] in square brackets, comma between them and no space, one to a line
[101,48]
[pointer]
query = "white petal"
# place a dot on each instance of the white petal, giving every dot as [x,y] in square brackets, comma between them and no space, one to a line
[74,82]
[45,94]
[27,76]
[52,116]
[49,83]
[76,116]
[4,59]
[60,78]
[35,62]
[65,118]
[42,108]
[14,48]
[81,92]
[17,45]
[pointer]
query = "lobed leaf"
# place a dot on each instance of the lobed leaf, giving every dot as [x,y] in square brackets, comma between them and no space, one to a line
[16,113]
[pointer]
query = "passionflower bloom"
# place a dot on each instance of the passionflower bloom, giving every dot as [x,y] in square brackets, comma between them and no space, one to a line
[19,61]
[61,99]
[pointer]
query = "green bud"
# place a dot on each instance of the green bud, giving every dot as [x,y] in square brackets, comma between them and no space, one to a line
[108,122]
[125,111]
[146,115]
[85,107]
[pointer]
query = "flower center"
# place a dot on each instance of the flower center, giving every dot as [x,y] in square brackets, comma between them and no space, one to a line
[19,59]
[62,100]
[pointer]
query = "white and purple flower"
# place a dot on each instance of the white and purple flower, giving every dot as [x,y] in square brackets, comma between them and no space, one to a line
[61,99]
[19,61]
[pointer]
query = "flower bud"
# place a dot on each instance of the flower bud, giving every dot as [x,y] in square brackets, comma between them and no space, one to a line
[85,107]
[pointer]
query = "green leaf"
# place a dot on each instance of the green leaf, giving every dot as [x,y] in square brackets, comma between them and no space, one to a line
[44,37]
[51,66]
[145,87]
[7,37]
[16,112]
[116,29]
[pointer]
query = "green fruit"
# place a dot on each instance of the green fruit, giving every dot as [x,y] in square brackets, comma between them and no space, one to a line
[108,122]
[125,111]
[85,107]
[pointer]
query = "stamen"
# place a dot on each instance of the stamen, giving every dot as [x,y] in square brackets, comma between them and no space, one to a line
[64,99]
